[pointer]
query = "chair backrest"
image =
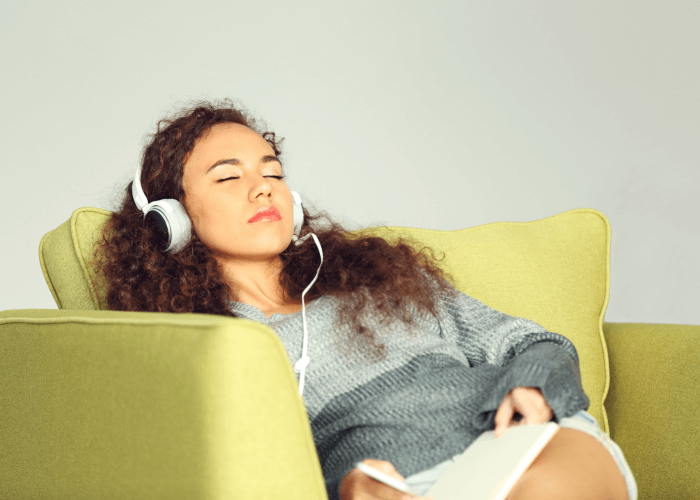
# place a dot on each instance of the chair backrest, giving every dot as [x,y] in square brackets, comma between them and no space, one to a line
[554,271]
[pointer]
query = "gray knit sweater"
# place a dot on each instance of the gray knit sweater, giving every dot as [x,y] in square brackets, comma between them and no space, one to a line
[433,394]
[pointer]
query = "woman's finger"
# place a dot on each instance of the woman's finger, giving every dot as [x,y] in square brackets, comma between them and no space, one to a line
[523,404]
[531,404]
[504,415]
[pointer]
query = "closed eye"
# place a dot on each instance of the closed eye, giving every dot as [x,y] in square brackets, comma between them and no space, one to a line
[278,177]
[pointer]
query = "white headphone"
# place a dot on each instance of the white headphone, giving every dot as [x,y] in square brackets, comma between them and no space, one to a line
[174,224]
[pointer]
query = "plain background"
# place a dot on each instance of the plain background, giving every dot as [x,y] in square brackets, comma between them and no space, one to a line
[433,114]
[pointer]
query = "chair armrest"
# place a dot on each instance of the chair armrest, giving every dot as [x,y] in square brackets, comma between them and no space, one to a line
[106,404]
[653,404]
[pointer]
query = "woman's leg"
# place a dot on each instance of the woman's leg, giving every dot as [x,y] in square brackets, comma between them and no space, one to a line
[573,465]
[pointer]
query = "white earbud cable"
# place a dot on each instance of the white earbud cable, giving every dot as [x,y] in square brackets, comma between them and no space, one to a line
[303,362]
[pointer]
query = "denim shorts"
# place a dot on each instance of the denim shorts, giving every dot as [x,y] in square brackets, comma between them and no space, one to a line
[421,482]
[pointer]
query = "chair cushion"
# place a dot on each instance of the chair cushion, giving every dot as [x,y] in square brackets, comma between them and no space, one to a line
[64,254]
[553,271]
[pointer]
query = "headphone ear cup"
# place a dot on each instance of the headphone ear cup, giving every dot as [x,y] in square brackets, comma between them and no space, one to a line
[158,224]
[171,222]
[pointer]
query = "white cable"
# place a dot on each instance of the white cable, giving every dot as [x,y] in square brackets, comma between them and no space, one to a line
[303,362]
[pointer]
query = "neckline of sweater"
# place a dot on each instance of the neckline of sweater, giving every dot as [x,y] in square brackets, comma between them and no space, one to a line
[255,314]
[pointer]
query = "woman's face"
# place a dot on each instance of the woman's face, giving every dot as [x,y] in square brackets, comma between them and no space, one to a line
[230,175]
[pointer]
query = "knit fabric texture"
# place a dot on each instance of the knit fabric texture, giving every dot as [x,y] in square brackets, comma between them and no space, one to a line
[437,388]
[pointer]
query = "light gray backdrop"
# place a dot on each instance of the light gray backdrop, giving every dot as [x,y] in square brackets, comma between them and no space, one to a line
[433,114]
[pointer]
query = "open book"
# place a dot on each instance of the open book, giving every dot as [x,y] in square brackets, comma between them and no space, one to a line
[491,466]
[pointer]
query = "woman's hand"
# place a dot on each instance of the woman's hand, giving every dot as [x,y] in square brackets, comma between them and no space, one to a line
[529,402]
[356,485]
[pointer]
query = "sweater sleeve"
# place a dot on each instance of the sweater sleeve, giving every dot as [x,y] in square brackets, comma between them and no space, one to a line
[531,356]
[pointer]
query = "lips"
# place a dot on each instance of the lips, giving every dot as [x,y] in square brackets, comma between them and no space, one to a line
[271,213]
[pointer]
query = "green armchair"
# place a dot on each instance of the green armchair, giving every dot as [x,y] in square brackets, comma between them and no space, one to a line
[108,404]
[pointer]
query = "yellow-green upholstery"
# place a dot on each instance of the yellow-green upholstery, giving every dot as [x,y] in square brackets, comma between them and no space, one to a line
[152,406]
[106,404]
[64,254]
[654,405]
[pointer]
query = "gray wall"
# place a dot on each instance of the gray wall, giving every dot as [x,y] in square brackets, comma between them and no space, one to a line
[440,115]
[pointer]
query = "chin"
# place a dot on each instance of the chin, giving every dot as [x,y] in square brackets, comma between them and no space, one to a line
[275,244]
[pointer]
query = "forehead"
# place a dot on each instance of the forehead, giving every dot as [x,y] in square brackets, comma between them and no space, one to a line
[227,140]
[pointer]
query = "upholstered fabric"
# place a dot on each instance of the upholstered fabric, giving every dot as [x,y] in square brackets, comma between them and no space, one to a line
[654,403]
[65,253]
[150,406]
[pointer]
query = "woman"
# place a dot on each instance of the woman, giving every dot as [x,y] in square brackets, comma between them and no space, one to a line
[402,371]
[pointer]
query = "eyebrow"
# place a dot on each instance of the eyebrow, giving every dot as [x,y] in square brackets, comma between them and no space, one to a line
[236,161]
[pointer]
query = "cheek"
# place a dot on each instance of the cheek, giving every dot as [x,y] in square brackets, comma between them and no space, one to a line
[213,220]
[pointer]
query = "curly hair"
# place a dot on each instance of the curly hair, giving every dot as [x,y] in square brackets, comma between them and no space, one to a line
[366,273]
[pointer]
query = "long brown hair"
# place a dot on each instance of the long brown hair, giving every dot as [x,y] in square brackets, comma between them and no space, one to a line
[367,274]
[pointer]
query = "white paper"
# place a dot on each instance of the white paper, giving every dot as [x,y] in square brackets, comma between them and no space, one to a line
[491,466]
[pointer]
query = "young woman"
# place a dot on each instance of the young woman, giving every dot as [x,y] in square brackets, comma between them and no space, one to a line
[396,367]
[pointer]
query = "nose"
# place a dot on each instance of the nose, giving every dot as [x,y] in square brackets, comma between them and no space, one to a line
[261,188]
